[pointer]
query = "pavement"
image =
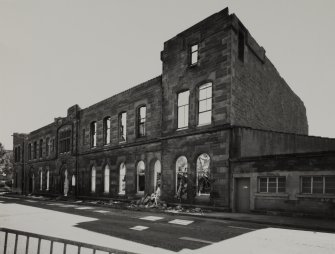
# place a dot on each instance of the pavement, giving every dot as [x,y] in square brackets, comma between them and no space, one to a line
[316,224]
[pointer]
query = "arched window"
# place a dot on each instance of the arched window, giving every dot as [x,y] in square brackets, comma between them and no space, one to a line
[123,127]
[33,183]
[48,179]
[122,179]
[140,177]
[203,174]
[41,179]
[181,175]
[205,104]
[106,179]
[107,130]
[73,180]
[93,178]
[157,174]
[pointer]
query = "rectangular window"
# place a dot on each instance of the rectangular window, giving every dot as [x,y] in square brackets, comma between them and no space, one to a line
[205,104]
[107,130]
[83,136]
[47,146]
[29,151]
[318,184]
[123,127]
[141,119]
[18,153]
[65,141]
[41,148]
[15,154]
[272,184]
[241,46]
[194,54]
[93,133]
[183,99]
[35,150]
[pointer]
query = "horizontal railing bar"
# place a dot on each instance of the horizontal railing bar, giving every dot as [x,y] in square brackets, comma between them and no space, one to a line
[64,241]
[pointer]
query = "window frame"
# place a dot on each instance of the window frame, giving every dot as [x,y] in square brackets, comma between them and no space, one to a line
[106,190]
[267,184]
[138,174]
[187,120]
[64,141]
[205,85]
[312,185]
[93,179]
[193,52]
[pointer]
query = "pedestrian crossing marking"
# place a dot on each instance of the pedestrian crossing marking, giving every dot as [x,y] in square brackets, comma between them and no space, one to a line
[139,228]
[84,208]
[152,218]
[100,211]
[181,222]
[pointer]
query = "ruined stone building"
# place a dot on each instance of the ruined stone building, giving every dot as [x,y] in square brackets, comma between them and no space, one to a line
[219,127]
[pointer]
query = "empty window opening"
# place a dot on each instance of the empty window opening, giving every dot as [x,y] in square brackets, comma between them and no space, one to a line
[107,130]
[203,175]
[106,179]
[122,179]
[141,119]
[140,177]
[123,127]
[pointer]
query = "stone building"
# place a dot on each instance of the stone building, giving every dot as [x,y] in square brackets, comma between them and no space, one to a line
[219,127]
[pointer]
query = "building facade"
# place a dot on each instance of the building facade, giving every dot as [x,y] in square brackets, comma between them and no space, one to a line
[195,131]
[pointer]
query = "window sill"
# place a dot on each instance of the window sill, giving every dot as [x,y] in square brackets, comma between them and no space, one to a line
[332,196]
[182,129]
[272,195]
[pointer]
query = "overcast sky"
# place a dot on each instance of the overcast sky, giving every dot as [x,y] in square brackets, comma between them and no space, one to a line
[54,54]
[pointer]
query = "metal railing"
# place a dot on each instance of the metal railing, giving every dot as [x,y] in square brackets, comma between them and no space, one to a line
[78,246]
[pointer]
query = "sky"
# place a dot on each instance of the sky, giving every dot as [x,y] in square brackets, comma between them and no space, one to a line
[54,54]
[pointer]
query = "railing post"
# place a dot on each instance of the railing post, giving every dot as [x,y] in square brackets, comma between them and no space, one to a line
[5,246]
[39,246]
[15,246]
[27,244]
[51,247]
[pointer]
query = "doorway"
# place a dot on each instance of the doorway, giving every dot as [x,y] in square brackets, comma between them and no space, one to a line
[242,200]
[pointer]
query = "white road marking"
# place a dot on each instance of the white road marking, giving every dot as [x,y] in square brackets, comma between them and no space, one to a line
[152,218]
[84,208]
[181,222]
[195,240]
[67,206]
[139,228]
[242,228]
[101,211]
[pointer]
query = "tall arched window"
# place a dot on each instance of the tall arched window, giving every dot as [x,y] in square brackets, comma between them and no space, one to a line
[48,179]
[140,177]
[93,179]
[73,180]
[181,175]
[203,174]
[157,174]
[122,179]
[106,179]
[41,179]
